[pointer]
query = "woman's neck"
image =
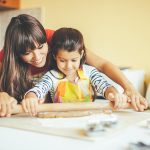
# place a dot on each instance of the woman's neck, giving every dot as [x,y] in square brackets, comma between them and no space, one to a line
[36,70]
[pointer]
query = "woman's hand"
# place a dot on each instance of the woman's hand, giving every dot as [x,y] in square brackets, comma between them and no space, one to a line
[138,102]
[7,103]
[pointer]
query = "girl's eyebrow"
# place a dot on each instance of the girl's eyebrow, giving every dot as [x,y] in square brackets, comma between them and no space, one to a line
[75,58]
[65,59]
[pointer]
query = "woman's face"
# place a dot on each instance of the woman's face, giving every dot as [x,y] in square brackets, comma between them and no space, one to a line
[36,57]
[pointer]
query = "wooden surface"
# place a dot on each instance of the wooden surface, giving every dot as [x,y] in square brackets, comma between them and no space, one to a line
[66,126]
[56,131]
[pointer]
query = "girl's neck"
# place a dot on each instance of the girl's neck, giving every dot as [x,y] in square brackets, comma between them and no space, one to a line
[72,77]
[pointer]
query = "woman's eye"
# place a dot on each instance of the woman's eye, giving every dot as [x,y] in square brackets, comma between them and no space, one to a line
[62,61]
[40,47]
[27,53]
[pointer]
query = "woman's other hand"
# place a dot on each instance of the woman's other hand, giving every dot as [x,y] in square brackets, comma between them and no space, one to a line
[7,103]
[138,102]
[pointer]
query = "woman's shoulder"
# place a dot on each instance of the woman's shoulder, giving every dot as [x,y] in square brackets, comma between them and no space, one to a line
[49,34]
[1,55]
[86,67]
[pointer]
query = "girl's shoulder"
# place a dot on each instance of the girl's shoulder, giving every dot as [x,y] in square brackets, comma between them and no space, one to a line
[55,75]
[87,68]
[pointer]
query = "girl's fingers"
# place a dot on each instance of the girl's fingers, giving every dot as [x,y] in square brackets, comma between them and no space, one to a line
[36,106]
[144,102]
[116,102]
[111,97]
[125,101]
[24,106]
[41,101]
[133,102]
[140,107]
[28,107]
[33,107]
[120,101]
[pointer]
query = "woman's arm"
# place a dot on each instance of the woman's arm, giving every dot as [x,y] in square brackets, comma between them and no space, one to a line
[108,69]
[117,76]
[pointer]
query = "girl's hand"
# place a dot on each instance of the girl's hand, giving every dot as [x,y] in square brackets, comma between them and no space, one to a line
[120,100]
[7,103]
[30,103]
[138,102]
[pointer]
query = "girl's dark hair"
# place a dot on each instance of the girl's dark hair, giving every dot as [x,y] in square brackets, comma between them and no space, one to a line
[23,33]
[68,39]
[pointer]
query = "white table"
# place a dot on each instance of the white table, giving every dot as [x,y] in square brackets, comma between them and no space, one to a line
[125,132]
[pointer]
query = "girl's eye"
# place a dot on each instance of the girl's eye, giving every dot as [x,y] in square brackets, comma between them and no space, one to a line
[74,60]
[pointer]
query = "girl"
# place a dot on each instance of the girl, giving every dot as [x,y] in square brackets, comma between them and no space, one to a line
[25,35]
[70,80]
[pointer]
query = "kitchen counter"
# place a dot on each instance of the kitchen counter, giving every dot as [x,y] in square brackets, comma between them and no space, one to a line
[36,134]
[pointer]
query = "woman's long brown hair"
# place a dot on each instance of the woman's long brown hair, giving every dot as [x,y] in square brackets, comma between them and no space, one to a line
[21,35]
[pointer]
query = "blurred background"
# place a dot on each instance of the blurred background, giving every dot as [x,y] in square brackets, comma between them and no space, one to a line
[118,30]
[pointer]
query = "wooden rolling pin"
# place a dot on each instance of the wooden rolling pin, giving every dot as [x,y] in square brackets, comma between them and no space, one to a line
[65,107]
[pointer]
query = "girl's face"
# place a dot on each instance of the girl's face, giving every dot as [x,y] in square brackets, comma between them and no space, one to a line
[68,62]
[36,57]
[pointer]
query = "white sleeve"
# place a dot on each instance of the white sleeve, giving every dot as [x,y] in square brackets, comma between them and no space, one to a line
[99,82]
[43,86]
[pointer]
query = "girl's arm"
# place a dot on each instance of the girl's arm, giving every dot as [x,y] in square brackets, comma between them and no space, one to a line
[103,87]
[30,103]
[37,94]
[42,87]
[117,76]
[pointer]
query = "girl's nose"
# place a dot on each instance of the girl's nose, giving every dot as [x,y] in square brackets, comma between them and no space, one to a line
[68,65]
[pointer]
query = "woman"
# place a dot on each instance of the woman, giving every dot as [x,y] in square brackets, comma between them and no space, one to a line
[25,36]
